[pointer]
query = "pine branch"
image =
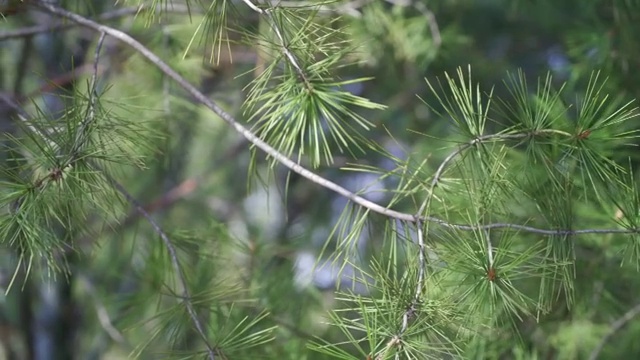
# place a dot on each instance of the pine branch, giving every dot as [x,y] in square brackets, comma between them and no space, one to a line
[82,135]
[291,58]
[186,296]
[53,175]
[81,138]
[110,15]
[293,166]
[80,141]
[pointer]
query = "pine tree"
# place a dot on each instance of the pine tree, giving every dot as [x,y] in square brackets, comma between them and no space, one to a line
[324,179]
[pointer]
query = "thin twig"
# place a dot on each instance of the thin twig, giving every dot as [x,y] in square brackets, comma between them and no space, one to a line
[291,58]
[433,24]
[282,159]
[489,248]
[102,313]
[82,135]
[422,266]
[443,165]
[81,138]
[345,8]
[23,63]
[615,327]
[111,15]
[421,259]
[253,7]
[409,313]
[173,254]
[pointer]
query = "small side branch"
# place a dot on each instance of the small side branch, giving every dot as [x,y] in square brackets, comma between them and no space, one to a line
[111,15]
[453,155]
[433,23]
[82,134]
[615,327]
[173,254]
[284,46]
[422,267]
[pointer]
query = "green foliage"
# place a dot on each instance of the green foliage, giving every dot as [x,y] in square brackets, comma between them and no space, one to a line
[296,105]
[451,213]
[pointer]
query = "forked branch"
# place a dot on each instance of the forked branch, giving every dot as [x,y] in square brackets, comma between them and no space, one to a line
[284,160]
[418,219]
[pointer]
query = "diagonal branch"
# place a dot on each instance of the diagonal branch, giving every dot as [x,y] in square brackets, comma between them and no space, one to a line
[111,15]
[282,159]
[82,135]
[410,311]
[454,154]
[291,58]
[173,254]
[615,327]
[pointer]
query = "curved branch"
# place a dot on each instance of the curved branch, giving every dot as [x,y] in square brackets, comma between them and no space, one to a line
[456,153]
[111,15]
[282,159]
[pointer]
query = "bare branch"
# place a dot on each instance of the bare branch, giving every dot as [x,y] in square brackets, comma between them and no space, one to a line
[186,296]
[101,312]
[615,327]
[433,24]
[253,6]
[118,13]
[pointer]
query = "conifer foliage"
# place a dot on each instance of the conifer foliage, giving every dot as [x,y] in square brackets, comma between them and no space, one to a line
[324,179]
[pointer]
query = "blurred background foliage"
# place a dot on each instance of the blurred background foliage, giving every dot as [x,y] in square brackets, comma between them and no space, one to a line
[263,249]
